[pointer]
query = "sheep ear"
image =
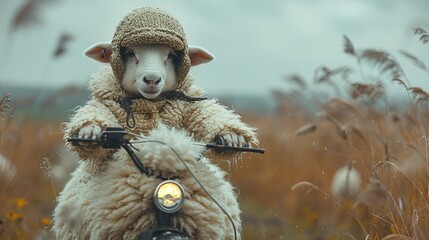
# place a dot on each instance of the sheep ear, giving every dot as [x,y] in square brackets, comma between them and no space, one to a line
[199,55]
[100,52]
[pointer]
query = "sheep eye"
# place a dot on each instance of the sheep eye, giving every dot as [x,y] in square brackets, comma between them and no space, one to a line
[174,57]
[129,53]
[126,54]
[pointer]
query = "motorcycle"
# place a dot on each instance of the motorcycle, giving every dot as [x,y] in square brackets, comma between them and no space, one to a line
[168,197]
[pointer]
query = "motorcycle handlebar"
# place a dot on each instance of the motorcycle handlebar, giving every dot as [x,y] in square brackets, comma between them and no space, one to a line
[115,138]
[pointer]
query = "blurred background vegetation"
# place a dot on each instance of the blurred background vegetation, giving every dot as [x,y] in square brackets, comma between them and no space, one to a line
[378,138]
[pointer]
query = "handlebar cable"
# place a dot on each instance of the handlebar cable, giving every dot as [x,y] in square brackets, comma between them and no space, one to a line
[139,165]
[196,179]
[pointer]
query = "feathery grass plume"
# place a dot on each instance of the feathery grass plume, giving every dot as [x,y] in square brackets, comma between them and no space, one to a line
[27,14]
[424,35]
[64,39]
[398,80]
[419,95]
[346,183]
[373,91]
[348,46]
[419,63]
[325,74]
[383,60]
[322,74]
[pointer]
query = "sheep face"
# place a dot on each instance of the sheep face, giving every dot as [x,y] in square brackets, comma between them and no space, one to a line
[149,70]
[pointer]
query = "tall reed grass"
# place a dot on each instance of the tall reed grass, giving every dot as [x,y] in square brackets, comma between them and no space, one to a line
[384,148]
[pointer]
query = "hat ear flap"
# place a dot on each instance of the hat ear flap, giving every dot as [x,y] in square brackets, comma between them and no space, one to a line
[100,52]
[117,64]
[199,55]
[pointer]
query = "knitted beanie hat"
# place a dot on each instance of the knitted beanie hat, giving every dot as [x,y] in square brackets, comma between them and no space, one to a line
[150,26]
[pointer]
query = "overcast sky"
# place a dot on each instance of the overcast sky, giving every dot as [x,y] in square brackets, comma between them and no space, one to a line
[256,43]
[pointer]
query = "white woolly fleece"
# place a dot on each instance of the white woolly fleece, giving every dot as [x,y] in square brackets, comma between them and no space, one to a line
[108,198]
[117,202]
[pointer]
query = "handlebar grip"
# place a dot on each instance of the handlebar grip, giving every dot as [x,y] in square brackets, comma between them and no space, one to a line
[112,137]
[220,146]
[75,140]
[223,148]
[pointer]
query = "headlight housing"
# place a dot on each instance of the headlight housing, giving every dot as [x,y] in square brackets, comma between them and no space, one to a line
[169,196]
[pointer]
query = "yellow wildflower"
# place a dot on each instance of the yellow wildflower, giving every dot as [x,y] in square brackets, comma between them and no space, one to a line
[45,221]
[20,202]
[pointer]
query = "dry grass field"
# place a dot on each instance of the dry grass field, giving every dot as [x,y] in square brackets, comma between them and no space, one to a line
[286,193]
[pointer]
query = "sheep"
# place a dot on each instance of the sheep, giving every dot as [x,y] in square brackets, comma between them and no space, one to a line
[117,203]
[147,90]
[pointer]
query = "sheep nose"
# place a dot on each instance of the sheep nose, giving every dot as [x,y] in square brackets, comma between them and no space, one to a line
[152,80]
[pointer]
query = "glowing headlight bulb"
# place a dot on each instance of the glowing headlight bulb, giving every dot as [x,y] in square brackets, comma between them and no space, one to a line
[169,196]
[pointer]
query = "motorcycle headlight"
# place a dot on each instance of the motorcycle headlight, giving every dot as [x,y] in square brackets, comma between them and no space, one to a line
[169,196]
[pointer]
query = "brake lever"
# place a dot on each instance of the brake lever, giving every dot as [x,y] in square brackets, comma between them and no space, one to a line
[114,137]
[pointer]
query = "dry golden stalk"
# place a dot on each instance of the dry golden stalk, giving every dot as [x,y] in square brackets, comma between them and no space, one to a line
[307,128]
